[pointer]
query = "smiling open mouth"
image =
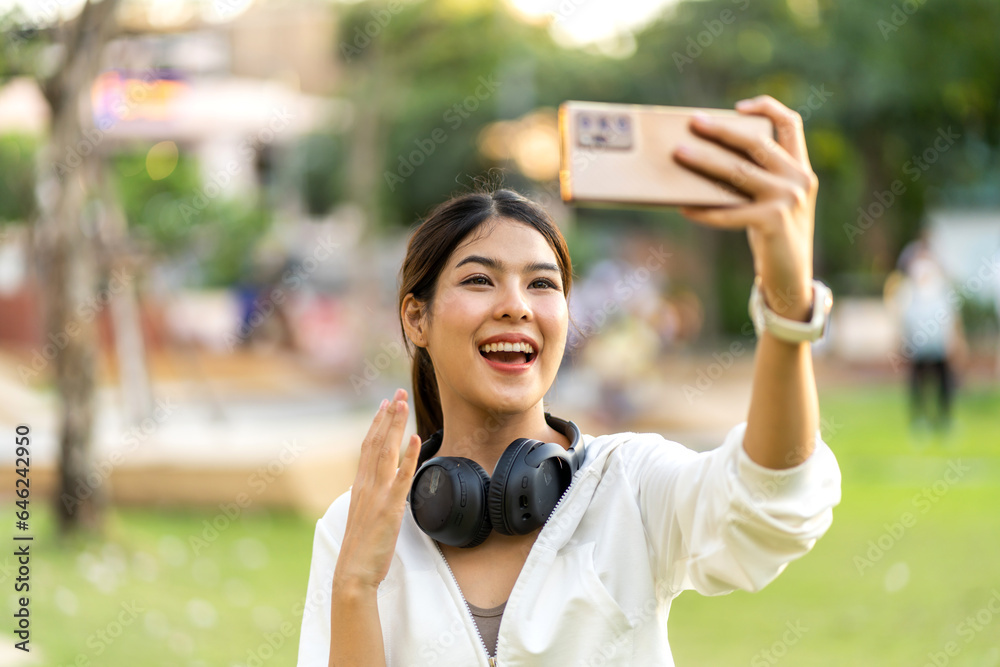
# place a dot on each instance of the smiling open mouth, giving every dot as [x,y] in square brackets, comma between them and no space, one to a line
[509,357]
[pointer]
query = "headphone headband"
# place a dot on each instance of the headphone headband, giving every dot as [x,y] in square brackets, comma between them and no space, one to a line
[430,447]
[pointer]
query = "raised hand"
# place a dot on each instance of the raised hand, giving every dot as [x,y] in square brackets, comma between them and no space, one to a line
[378,498]
[780,217]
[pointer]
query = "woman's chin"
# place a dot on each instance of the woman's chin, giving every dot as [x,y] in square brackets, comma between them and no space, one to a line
[511,402]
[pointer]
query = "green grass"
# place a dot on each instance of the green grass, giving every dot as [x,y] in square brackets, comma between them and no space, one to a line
[215,607]
[149,595]
[905,601]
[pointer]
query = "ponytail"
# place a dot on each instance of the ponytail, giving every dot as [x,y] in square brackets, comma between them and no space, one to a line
[426,397]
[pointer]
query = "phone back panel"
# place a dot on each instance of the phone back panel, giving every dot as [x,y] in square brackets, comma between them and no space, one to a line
[622,153]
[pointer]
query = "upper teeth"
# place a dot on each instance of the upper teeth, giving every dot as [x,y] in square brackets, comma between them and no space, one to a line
[507,347]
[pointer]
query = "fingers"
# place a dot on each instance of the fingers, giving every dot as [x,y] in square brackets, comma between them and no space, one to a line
[408,467]
[760,148]
[772,169]
[366,444]
[735,217]
[378,436]
[787,123]
[728,167]
[388,449]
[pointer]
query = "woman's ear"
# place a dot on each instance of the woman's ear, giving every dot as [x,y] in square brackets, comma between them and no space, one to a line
[414,322]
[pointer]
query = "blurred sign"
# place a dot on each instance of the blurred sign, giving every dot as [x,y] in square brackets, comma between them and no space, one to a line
[119,95]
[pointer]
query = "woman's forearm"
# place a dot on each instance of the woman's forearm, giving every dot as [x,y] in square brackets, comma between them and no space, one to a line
[378,504]
[784,408]
[355,628]
[779,221]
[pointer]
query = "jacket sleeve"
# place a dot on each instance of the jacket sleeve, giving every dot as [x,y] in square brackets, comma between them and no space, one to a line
[314,639]
[717,521]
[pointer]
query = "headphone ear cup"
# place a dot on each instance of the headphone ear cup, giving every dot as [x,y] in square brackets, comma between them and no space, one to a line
[448,501]
[496,498]
[486,526]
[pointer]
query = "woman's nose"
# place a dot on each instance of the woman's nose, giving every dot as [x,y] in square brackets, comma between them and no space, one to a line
[513,303]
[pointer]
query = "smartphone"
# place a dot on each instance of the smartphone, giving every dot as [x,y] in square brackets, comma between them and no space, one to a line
[623,154]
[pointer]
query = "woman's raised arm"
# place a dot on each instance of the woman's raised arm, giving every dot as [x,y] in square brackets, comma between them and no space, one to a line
[378,500]
[779,219]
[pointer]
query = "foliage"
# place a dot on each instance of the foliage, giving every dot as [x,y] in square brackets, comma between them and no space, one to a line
[433,73]
[22,42]
[17,177]
[319,170]
[179,216]
[874,97]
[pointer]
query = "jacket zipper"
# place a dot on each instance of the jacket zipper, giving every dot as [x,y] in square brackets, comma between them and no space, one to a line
[492,660]
[482,642]
[558,503]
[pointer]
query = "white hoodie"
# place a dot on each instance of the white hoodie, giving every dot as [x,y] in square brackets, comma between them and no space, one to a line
[644,519]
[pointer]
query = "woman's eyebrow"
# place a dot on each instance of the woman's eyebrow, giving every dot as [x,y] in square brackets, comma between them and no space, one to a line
[499,266]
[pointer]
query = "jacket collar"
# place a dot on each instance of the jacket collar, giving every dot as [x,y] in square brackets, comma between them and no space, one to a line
[569,512]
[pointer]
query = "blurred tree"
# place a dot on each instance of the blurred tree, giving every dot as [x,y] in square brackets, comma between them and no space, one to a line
[172,217]
[67,257]
[81,231]
[319,171]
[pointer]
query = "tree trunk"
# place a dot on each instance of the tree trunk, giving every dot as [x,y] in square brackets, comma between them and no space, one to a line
[67,264]
[365,180]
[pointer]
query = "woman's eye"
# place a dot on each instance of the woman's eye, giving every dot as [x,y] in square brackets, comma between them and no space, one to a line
[483,280]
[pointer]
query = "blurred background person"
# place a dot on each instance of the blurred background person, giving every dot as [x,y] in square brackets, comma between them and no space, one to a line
[932,339]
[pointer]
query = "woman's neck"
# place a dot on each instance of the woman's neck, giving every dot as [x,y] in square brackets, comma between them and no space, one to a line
[483,435]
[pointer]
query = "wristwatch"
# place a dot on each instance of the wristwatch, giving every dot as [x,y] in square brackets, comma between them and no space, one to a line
[792,331]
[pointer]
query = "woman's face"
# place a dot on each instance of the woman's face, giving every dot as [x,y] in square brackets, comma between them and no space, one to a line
[503,283]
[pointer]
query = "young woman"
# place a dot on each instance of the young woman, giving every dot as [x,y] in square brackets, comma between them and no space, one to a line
[568,553]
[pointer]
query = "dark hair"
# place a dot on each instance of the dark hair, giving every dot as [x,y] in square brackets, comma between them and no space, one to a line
[428,251]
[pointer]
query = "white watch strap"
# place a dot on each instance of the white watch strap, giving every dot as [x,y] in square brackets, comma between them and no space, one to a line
[792,331]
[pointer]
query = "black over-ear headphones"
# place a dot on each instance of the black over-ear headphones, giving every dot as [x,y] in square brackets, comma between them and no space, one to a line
[455,502]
